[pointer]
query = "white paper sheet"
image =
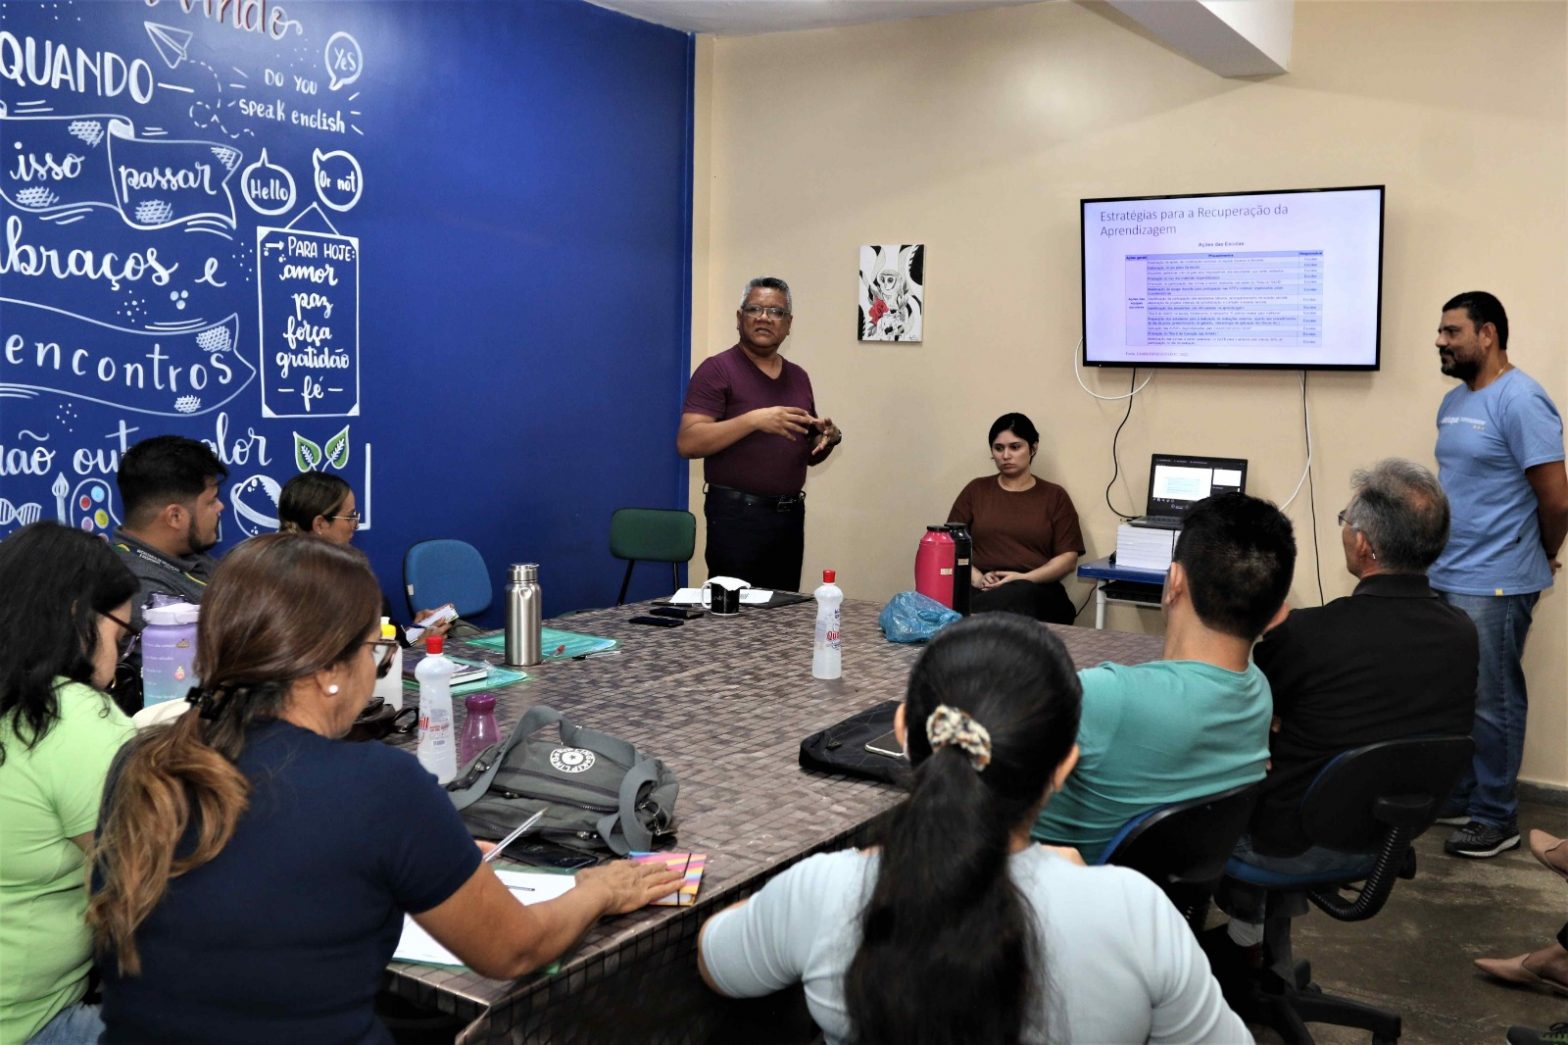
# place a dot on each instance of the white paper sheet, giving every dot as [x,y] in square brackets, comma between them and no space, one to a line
[694,597]
[416,945]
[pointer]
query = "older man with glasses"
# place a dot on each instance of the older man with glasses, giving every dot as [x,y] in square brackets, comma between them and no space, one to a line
[1390,660]
[751,416]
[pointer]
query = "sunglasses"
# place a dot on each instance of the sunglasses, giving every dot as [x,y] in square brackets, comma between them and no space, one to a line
[129,640]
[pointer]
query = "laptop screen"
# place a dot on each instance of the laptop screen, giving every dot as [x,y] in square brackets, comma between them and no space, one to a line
[1176,482]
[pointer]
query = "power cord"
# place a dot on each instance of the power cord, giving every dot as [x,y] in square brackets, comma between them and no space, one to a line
[1312,497]
[1078,373]
[1133,388]
[1116,465]
[1307,480]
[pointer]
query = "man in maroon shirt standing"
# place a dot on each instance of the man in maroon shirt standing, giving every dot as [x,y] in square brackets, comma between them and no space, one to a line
[750,415]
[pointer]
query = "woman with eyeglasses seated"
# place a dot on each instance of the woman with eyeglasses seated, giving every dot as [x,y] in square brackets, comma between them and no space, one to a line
[957,929]
[65,610]
[1025,530]
[252,871]
[322,504]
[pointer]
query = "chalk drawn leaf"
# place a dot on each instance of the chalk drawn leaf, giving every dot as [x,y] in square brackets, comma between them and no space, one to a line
[337,449]
[307,455]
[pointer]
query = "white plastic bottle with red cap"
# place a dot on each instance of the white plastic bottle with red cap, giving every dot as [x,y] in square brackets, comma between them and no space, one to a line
[437,746]
[827,648]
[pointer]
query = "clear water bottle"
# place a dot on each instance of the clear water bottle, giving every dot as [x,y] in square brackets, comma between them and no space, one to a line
[523,628]
[390,687]
[480,731]
[827,645]
[437,745]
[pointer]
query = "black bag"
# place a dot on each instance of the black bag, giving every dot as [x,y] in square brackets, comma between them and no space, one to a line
[602,792]
[841,748]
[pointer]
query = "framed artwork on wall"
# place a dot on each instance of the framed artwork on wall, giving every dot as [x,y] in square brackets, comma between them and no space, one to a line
[892,292]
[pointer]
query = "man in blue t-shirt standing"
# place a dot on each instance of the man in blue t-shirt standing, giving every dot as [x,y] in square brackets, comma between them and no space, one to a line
[1500,460]
[751,416]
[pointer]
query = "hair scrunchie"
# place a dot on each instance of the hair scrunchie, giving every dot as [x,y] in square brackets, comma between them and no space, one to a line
[202,700]
[952,727]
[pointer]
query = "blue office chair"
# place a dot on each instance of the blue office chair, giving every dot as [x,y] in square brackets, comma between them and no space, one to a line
[442,571]
[1182,847]
[1374,800]
[652,535]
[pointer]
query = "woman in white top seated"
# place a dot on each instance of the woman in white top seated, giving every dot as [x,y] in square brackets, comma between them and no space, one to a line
[958,929]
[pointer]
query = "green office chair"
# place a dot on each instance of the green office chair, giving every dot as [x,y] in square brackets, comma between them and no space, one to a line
[652,535]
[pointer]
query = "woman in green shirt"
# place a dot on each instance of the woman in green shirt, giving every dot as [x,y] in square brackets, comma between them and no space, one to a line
[65,617]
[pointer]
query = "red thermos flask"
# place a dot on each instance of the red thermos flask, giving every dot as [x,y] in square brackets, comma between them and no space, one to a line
[934,565]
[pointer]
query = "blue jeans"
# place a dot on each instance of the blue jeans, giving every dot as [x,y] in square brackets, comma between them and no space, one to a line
[1501,623]
[1255,905]
[76,1024]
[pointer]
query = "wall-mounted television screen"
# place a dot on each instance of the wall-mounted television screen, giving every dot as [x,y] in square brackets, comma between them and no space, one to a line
[1288,279]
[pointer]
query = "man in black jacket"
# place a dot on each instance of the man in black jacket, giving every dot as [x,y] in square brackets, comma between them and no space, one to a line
[1391,660]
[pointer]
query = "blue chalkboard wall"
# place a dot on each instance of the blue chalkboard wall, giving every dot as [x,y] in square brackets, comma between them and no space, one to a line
[440,248]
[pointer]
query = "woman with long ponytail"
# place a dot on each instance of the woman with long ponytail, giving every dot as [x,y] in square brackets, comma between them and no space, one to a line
[252,870]
[957,930]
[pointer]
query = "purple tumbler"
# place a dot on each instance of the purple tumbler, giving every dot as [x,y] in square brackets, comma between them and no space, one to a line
[480,731]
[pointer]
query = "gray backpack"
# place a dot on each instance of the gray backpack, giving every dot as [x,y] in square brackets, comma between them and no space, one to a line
[601,791]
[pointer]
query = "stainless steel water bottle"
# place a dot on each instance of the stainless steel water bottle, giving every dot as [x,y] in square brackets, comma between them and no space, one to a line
[522,615]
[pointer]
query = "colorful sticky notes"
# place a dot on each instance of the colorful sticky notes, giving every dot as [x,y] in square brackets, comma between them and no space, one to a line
[688,864]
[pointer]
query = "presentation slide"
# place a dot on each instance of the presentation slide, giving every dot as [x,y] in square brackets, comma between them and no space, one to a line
[1271,279]
[1182,484]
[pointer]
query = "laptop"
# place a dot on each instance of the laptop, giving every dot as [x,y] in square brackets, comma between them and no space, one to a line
[1178,481]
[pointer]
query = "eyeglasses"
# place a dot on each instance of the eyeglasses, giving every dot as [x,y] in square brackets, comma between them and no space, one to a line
[771,311]
[389,648]
[353,516]
[1342,514]
[129,640]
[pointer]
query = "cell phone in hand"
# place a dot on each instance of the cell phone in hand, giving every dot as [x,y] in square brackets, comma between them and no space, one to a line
[439,616]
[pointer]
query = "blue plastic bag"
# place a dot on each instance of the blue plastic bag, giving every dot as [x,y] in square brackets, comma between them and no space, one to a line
[912,617]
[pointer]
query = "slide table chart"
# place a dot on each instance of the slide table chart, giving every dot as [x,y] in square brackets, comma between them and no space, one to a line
[724,702]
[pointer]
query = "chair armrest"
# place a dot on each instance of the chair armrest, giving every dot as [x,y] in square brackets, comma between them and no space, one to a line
[1412,813]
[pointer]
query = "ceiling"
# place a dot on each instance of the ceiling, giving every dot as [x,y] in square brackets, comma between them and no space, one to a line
[1235,38]
[740,17]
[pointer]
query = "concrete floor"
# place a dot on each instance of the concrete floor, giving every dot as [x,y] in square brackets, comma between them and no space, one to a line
[1415,956]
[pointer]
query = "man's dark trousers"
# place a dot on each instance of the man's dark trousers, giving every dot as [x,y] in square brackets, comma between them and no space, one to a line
[761,540]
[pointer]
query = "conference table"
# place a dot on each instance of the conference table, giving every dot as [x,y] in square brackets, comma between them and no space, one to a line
[724,702]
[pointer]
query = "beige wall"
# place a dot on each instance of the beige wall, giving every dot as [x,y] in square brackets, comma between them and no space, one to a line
[977,135]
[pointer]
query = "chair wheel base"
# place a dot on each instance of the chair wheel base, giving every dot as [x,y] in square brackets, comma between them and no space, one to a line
[1301,1002]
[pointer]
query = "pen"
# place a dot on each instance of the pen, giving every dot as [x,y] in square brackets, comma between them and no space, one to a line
[515,835]
[597,653]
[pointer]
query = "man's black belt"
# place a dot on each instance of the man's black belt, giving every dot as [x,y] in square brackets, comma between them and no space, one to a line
[778,502]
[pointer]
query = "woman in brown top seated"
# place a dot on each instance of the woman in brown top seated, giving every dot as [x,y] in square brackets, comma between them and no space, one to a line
[1025,530]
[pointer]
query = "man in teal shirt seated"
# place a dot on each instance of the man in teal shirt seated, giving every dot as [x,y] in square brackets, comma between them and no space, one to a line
[1197,721]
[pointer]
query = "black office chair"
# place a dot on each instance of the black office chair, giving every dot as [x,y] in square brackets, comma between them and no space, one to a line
[1374,800]
[652,535]
[1182,847]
